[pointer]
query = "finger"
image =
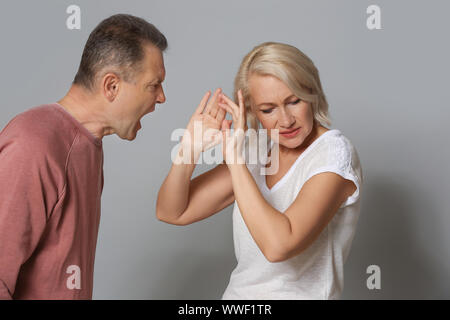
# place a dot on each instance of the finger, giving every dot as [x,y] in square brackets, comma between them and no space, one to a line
[211,107]
[226,125]
[221,115]
[241,101]
[202,104]
[208,119]
[225,128]
[215,108]
[224,139]
[230,103]
[229,110]
[241,109]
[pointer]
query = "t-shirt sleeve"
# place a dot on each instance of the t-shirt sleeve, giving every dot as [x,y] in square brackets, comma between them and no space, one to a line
[340,157]
[26,198]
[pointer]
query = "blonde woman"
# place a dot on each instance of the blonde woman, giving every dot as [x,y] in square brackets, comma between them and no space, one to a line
[293,228]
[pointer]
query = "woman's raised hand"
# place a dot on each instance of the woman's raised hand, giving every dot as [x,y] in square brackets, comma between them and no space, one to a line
[232,143]
[203,130]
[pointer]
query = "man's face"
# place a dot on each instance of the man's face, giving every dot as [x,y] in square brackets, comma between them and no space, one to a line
[139,96]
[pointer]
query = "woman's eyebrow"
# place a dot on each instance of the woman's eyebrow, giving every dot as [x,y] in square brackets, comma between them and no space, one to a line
[266,103]
[288,98]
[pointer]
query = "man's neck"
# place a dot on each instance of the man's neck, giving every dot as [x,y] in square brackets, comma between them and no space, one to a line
[87,110]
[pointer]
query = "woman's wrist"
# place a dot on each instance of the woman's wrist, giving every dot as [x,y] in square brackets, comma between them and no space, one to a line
[187,155]
[234,157]
[236,166]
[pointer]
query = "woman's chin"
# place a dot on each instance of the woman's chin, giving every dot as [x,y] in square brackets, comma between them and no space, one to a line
[290,143]
[287,142]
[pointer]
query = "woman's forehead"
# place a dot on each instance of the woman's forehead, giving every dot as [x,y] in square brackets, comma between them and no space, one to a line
[266,88]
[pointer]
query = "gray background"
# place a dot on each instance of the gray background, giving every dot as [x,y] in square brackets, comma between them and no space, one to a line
[388,93]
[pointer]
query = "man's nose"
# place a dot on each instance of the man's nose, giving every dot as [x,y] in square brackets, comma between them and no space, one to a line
[161,96]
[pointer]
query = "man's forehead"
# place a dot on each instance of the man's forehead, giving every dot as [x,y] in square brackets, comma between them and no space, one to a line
[153,52]
[160,74]
[154,63]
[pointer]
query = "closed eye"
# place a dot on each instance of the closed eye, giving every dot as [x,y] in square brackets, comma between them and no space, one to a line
[295,102]
[153,86]
[267,110]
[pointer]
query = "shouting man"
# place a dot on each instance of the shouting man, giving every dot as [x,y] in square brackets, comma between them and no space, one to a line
[51,162]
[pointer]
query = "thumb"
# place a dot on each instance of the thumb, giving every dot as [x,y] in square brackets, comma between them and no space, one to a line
[226,124]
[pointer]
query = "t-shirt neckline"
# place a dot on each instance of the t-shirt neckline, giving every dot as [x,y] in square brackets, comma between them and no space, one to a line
[280,182]
[84,131]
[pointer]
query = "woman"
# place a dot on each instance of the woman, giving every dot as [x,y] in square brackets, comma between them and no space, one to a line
[292,229]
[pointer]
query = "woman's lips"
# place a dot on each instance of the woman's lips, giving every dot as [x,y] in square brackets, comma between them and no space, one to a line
[291,133]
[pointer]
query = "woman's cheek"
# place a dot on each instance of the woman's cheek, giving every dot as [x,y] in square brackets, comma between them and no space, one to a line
[267,124]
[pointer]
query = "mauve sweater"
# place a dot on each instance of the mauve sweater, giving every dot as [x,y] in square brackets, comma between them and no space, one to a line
[51,180]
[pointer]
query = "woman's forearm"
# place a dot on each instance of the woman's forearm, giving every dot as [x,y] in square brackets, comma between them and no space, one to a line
[173,196]
[268,227]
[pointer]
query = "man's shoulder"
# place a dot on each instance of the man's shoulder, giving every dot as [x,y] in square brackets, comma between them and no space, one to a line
[42,122]
[39,130]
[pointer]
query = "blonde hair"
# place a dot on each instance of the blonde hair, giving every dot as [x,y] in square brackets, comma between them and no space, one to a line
[291,66]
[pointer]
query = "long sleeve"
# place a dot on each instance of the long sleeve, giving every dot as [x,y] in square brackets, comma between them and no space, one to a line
[25,200]
[50,200]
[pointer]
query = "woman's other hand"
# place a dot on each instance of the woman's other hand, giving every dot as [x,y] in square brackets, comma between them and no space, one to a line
[203,130]
[233,143]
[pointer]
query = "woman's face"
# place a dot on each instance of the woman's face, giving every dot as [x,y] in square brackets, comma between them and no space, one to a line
[276,107]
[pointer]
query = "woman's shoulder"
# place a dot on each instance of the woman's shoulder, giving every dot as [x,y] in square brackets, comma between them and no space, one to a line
[337,150]
[335,139]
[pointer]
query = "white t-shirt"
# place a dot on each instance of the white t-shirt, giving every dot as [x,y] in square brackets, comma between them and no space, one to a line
[317,272]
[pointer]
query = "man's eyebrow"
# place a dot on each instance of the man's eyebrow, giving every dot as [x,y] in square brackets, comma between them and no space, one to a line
[161,79]
[155,81]
[274,104]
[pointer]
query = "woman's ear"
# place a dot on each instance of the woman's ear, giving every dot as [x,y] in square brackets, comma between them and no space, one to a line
[110,86]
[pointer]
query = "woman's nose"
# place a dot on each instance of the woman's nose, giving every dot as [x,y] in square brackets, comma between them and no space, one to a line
[286,119]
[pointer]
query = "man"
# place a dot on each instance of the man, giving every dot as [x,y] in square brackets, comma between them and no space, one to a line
[51,162]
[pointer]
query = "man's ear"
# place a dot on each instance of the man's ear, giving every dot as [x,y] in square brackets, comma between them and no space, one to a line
[110,86]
